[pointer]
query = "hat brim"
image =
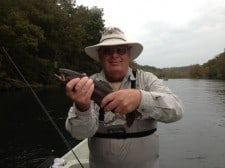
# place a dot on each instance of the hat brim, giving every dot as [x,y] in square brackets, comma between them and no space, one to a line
[135,50]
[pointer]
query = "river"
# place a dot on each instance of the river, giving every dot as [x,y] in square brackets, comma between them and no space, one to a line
[196,141]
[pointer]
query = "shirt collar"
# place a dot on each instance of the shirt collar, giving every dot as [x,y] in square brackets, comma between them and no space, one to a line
[128,76]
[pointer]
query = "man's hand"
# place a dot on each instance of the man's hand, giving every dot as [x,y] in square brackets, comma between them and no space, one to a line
[122,101]
[80,90]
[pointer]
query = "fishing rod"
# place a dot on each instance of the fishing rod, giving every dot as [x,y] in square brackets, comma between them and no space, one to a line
[68,145]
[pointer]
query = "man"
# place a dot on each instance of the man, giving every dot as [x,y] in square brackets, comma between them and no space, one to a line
[121,131]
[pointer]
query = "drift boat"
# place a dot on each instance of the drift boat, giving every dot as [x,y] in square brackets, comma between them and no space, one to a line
[82,152]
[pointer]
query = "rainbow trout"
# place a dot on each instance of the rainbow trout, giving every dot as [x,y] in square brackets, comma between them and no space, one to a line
[101,89]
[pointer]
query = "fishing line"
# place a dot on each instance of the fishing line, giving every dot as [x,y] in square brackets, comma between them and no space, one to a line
[68,145]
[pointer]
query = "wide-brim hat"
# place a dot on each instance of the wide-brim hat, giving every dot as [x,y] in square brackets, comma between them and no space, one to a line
[113,36]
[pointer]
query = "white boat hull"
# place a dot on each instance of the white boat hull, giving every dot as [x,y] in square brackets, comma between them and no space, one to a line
[82,152]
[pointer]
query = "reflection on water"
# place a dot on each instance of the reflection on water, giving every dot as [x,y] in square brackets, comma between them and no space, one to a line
[196,141]
[27,136]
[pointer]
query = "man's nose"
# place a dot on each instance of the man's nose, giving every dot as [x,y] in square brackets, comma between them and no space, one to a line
[114,54]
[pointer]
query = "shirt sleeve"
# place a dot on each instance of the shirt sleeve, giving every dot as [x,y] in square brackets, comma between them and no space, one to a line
[82,125]
[158,101]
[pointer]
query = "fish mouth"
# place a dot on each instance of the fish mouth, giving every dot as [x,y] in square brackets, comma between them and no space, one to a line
[60,77]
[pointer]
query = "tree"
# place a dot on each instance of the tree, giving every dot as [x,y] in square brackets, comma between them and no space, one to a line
[38,33]
[195,71]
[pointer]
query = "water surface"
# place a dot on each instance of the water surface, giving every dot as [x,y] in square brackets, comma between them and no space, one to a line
[196,141]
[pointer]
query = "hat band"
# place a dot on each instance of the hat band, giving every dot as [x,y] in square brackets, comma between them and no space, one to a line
[112,38]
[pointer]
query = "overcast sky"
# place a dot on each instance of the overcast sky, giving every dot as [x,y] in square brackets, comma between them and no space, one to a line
[174,33]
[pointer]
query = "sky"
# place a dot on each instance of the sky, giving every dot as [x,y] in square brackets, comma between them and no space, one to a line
[174,33]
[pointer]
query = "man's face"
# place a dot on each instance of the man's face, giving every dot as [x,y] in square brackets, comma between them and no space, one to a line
[115,61]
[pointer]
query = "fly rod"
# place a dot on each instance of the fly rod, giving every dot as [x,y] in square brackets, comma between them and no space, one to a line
[68,145]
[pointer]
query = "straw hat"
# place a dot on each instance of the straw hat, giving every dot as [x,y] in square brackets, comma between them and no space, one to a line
[113,36]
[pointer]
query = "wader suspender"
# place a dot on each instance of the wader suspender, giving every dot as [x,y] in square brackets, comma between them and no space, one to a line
[129,118]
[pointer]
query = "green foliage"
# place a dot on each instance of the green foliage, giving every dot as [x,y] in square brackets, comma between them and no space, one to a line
[213,69]
[38,33]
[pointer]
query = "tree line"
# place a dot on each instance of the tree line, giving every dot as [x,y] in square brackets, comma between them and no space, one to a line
[43,35]
[213,69]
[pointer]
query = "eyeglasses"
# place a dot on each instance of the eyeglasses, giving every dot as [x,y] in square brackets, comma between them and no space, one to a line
[111,50]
